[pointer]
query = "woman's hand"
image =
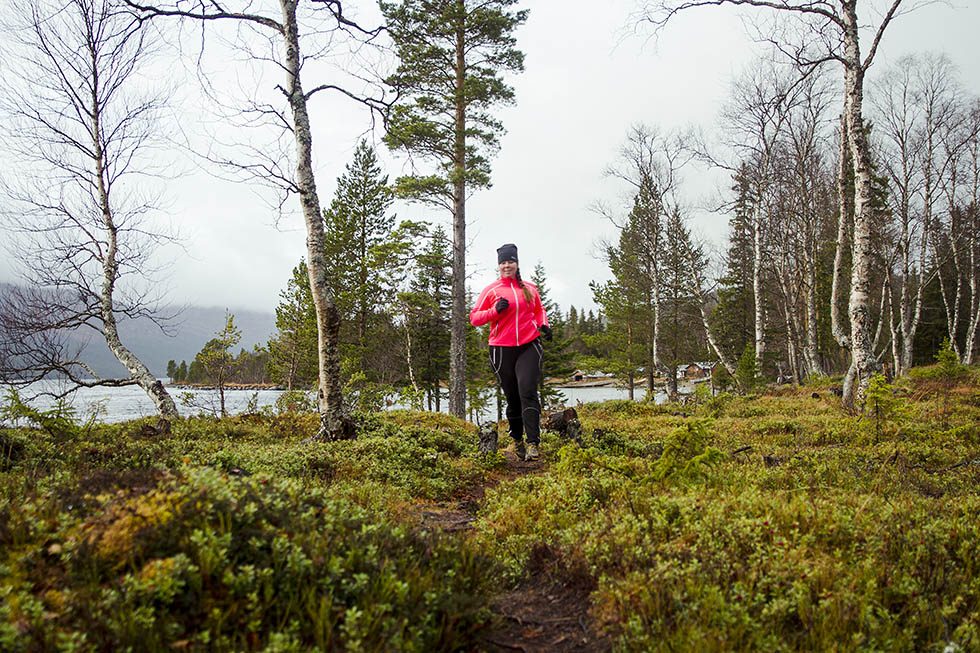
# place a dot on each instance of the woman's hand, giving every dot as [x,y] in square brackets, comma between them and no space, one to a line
[546,332]
[501,305]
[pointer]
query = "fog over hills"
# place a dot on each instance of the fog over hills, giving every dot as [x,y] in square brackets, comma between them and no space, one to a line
[194,327]
[191,329]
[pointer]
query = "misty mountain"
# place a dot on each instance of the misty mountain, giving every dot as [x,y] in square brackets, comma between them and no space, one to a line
[193,328]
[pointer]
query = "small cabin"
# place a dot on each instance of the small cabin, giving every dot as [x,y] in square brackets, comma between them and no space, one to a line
[697,370]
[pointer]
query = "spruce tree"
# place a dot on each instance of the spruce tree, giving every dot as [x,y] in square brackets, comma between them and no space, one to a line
[427,305]
[732,319]
[616,349]
[557,353]
[357,225]
[636,263]
[293,350]
[680,322]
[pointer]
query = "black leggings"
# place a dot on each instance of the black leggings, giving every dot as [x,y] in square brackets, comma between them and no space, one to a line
[518,370]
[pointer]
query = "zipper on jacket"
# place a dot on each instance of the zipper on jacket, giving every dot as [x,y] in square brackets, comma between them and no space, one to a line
[517,316]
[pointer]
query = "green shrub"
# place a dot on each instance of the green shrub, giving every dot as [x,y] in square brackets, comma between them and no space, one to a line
[206,561]
[747,373]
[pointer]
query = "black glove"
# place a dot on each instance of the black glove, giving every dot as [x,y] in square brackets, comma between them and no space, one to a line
[546,332]
[501,305]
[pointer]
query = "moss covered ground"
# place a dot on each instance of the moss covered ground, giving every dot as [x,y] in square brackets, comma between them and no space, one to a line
[770,522]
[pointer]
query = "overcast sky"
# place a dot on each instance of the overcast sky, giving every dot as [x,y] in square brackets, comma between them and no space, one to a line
[586,81]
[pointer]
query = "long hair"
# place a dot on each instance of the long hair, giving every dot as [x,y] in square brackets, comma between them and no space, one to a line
[520,282]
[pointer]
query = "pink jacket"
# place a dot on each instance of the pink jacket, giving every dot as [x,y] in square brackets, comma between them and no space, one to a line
[519,323]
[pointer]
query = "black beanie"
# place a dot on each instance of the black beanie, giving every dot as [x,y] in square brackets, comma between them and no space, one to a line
[507,252]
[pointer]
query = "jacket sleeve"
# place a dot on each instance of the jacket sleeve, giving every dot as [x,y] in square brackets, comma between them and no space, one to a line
[484,311]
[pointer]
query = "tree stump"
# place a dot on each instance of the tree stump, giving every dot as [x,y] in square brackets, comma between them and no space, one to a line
[488,438]
[559,421]
[161,428]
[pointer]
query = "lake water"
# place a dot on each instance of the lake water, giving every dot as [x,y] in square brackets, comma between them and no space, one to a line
[121,404]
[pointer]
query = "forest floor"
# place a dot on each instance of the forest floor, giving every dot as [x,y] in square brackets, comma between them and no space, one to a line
[549,609]
[773,521]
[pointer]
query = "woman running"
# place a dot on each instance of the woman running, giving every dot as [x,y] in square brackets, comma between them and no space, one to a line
[513,308]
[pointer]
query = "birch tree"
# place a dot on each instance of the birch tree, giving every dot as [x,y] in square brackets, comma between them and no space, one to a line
[81,128]
[755,121]
[897,116]
[940,145]
[650,164]
[811,178]
[971,224]
[289,35]
[833,33]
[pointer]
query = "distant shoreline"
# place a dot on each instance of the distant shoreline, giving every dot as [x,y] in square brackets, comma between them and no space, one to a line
[597,383]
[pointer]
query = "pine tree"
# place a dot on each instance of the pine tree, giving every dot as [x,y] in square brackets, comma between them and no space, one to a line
[215,360]
[557,353]
[453,55]
[681,333]
[732,319]
[427,305]
[293,350]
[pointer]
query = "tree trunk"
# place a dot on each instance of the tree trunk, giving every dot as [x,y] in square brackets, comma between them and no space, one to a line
[221,393]
[672,393]
[973,242]
[656,329]
[110,270]
[971,331]
[843,221]
[862,353]
[791,339]
[811,348]
[760,336]
[457,342]
[333,423]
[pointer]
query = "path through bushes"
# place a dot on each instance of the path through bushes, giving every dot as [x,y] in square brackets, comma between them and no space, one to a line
[549,608]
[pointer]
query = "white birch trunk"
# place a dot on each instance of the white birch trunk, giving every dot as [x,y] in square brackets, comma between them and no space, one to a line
[973,145]
[843,221]
[760,335]
[333,424]
[862,352]
[110,268]
[811,348]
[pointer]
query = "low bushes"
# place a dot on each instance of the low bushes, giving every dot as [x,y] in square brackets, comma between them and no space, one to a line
[205,560]
[806,529]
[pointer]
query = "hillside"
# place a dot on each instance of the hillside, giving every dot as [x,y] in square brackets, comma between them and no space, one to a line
[195,326]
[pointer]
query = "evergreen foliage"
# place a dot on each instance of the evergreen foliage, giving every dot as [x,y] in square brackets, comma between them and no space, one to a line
[426,307]
[732,320]
[368,259]
[558,361]
[293,349]
[619,350]
[428,35]
[747,371]
[215,362]
[680,318]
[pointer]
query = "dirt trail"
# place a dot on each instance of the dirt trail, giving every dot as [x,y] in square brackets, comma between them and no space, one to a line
[549,609]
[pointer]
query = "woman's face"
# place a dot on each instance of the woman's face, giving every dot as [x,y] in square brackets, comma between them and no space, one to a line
[508,269]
